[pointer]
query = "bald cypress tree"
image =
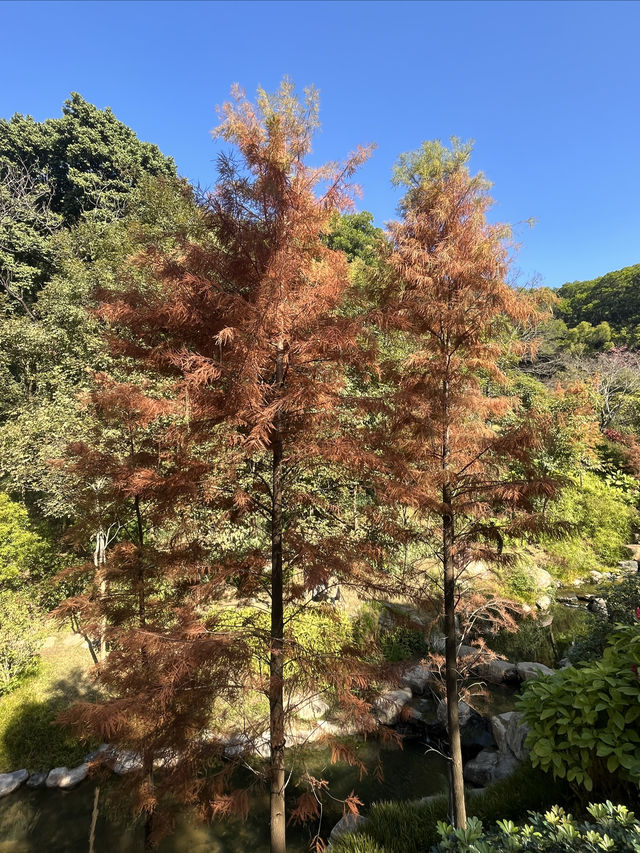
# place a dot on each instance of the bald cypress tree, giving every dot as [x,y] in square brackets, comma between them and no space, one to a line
[452,452]
[244,344]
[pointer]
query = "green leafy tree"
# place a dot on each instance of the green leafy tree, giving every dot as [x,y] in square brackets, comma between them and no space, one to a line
[21,634]
[84,163]
[21,549]
[614,298]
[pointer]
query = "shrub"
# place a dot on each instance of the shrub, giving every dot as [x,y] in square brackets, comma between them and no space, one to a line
[530,642]
[403,643]
[583,720]
[601,520]
[411,827]
[21,549]
[21,634]
[615,829]
[319,629]
[622,598]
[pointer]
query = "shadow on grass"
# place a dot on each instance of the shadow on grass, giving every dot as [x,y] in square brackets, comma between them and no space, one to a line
[31,737]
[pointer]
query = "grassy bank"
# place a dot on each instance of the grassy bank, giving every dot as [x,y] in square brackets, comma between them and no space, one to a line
[28,734]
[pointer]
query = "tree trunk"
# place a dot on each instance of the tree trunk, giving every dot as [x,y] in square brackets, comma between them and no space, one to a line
[451,667]
[142,621]
[276,668]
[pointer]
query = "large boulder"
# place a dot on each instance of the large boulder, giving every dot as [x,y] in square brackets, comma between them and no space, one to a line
[517,732]
[489,766]
[474,728]
[497,671]
[348,823]
[388,707]
[312,708]
[126,761]
[10,781]
[37,780]
[504,768]
[465,713]
[599,607]
[63,777]
[499,726]
[480,770]
[416,678]
[527,669]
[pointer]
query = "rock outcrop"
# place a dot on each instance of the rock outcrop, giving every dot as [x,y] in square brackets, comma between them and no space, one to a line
[388,707]
[10,781]
[65,778]
[348,823]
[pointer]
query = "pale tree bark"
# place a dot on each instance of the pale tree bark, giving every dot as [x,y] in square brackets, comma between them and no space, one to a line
[276,668]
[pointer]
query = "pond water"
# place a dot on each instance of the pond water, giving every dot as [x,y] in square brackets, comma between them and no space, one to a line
[33,821]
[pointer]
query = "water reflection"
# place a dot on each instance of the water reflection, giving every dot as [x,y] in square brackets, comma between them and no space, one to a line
[60,822]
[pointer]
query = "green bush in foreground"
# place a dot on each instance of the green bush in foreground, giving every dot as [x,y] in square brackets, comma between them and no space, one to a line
[412,826]
[615,829]
[584,721]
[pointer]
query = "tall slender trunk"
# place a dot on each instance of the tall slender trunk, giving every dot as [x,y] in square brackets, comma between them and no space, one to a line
[276,663]
[451,666]
[458,807]
[142,621]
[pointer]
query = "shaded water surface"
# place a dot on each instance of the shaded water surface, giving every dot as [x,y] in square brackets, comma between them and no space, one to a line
[35,821]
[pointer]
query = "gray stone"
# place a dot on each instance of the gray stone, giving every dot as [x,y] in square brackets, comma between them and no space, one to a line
[100,752]
[346,824]
[63,777]
[527,669]
[416,678]
[126,761]
[166,758]
[36,780]
[543,602]
[480,770]
[599,607]
[10,781]
[388,707]
[505,767]
[312,708]
[596,576]
[517,732]
[499,726]
[509,733]
[465,712]
[262,746]
[237,745]
[497,671]
[468,652]
[630,566]
[437,642]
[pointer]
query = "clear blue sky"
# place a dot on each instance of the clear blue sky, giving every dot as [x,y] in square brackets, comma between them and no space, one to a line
[550,91]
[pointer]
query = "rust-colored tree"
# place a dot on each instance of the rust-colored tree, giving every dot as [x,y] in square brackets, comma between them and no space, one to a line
[245,338]
[455,450]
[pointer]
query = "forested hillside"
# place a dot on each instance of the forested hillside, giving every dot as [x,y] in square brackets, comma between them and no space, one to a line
[603,312]
[276,484]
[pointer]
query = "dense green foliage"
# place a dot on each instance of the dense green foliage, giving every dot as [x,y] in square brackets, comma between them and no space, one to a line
[583,720]
[621,598]
[411,827]
[615,829]
[21,634]
[86,162]
[613,298]
[21,549]
[600,519]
